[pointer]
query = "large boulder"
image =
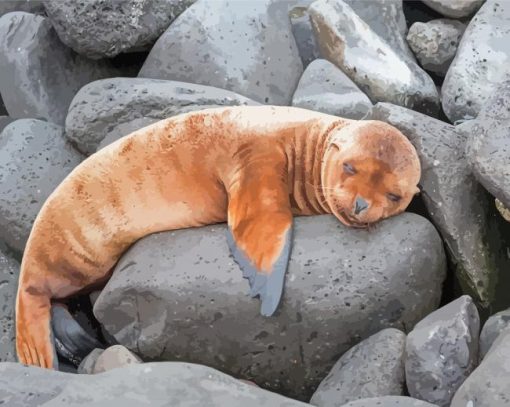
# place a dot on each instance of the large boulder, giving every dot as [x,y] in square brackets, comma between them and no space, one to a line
[35,157]
[244,47]
[389,401]
[458,205]
[154,384]
[454,8]
[179,296]
[106,110]
[492,328]
[348,42]
[481,62]
[100,29]
[9,273]
[38,74]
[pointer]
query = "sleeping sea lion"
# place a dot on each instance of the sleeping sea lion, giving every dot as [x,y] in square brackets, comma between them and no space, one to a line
[252,166]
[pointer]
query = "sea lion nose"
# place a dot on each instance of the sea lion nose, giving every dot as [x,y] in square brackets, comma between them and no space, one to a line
[360,205]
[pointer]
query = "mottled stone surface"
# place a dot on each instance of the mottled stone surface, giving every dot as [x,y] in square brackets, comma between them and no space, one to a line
[481,62]
[494,326]
[114,357]
[389,401]
[244,47]
[105,28]
[154,384]
[112,108]
[454,8]
[34,158]
[441,351]
[325,88]
[9,273]
[180,296]
[372,368]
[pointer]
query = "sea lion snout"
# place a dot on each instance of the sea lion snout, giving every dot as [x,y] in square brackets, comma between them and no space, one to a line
[360,205]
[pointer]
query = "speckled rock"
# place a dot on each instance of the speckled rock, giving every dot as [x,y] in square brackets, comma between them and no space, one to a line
[481,62]
[441,351]
[341,287]
[454,8]
[114,357]
[105,28]
[368,60]
[389,401]
[325,88]
[30,6]
[154,384]
[372,368]
[34,158]
[435,43]
[459,206]
[488,385]
[112,108]
[250,50]
[38,74]
[9,273]
[303,32]
[494,326]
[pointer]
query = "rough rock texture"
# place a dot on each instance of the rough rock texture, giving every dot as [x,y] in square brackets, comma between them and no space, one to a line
[34,158]
[494,326]
[325,88]
[460,208]
[372,368]
[303,32]
[488,385]
[99,28]
[114,357]
[9,272]
[250,50]
[441,351]
[481,63]
[454,8]
[347,41]
[341,287]
[435,43]
[389,401]
[30,6]
[154,384]
[112,108]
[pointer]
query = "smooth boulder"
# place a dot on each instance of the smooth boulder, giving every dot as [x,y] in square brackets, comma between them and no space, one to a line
[492,328]
[454,8]
[9,273]
[179,295]
[389,401]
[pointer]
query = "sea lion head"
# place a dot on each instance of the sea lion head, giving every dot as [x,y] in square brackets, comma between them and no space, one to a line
[370,171]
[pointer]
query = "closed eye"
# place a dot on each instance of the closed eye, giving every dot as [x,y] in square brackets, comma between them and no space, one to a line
[393,197]
[349,169]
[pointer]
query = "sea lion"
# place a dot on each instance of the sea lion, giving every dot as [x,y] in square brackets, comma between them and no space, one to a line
[253,166]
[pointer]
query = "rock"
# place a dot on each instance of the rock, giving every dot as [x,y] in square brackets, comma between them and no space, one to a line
[131,103]
[34,158]
[389,401]
[502,209]
[9,273]
[251,50]
[494,326]
[154,384]
[3,111]
[39,75]
[325,88]
[341,287]
[303,32]
[454,8]
[87,364]
[480,65]
[30,6]
[348,42]
[373,368]
[488,385]
[114,357]
[459,207]
[105,28]
[441,351]
[5,121]
[435,43]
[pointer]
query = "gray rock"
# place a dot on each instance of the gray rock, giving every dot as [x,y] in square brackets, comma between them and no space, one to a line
[303,32]
[4,121]
[34,158]
[113,357]
[494,326]
[87,364]
[3,111]
[30,6]
[325,88]
[481,63]
[105,28]
[389,401]
[179,295]
[115,107]
[154,384]
[9,273]
[250,50]
[372,368]
[348,42]
[441,351]
[435,43]
[454,8]
[488,385]
[38,74]
[458,205]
